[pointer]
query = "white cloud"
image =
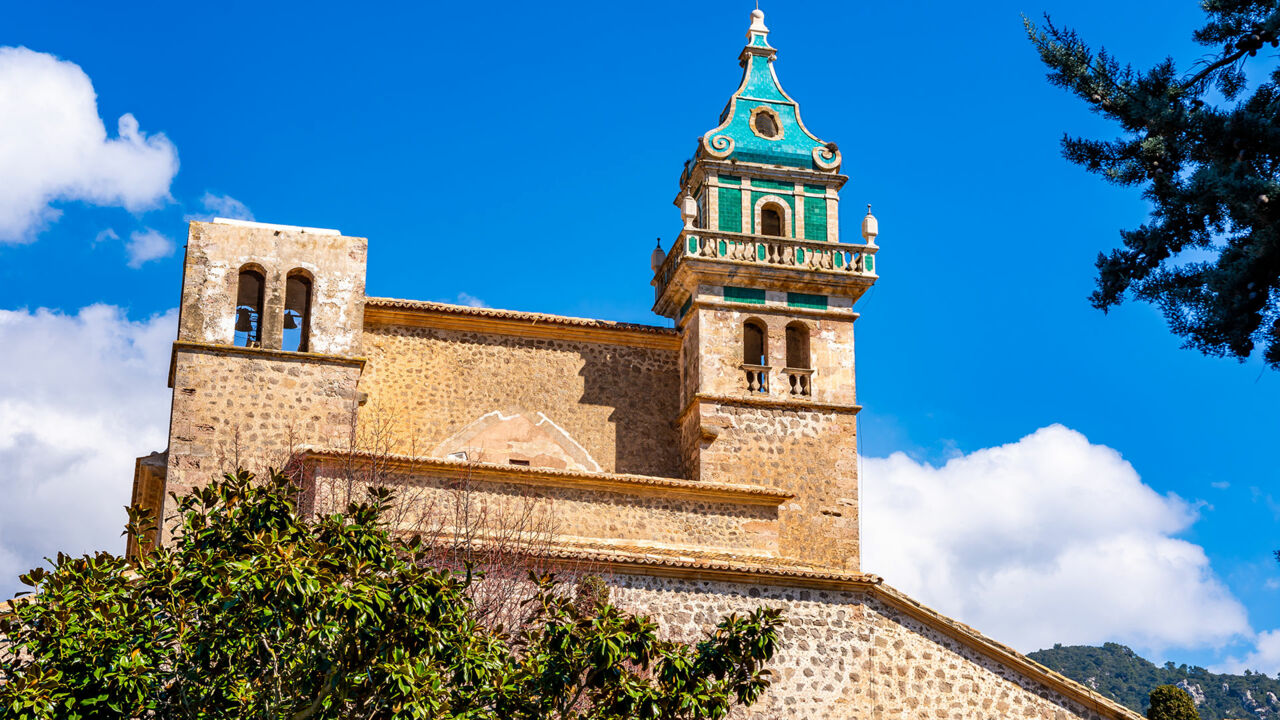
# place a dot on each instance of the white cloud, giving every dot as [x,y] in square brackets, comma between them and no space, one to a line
[1220,485]
[471,300]
[81,396]
[224,206]
[1265,656]
[1049,539]
[54,147]
[147,245]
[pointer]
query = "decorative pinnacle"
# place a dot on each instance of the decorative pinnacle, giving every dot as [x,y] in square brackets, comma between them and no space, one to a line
[656,257]
[870,228]
[757,21]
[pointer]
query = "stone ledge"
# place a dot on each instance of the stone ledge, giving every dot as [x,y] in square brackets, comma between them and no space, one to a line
[767,402]
[416,313]
[268,353]
[573,479]
[702,568]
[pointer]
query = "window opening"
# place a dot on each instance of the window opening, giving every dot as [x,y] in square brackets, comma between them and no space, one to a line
[753,344]
[755,357]
[771,221]
[297,314]
[249,298]
[799,368]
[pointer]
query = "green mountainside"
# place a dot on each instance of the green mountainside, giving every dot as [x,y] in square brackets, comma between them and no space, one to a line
[1120,673]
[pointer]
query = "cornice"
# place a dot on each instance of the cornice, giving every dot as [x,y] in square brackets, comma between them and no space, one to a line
[574,479]
[262,353]
[711,569]
[766,309]
[806,405]
[773,172]
[415,313]
[693,270]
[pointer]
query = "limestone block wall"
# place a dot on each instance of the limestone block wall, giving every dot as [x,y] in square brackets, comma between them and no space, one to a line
[616,401]
[808,452]
[216,253]
[240,406]
[565,510]
[851,654]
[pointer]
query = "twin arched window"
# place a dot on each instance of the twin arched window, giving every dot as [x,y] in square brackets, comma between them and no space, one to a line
[250,311]
[755,357]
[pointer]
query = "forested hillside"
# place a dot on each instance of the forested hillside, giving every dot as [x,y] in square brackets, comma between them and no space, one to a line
[1116,671]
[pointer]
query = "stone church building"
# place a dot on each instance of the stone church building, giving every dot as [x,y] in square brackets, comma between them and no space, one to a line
[706,468]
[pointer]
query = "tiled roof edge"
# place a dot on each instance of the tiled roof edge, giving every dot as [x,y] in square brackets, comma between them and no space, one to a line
[533,317]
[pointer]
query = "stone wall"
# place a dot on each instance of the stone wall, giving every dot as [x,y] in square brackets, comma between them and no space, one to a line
[619,514]
[614,400]
[247,407]
[810,453]
[850,654]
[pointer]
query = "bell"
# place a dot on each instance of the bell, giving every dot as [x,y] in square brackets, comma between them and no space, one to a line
[243,321]
[289,322]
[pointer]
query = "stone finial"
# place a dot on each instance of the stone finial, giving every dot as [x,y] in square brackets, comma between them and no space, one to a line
[657,257]
[870,228]
[688,210]
[757,22]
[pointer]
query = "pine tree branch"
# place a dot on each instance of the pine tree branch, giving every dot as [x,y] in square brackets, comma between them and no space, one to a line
[1214,66]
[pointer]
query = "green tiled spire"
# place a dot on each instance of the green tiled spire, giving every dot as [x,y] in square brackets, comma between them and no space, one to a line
[761,123]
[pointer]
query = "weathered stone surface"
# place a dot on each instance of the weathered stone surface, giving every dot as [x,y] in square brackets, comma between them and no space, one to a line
[615,401]
[603,516]
[217,252]
[252,408]
[851,655]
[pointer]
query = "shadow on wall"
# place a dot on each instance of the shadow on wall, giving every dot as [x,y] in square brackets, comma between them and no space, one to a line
[617,402]
[645,404]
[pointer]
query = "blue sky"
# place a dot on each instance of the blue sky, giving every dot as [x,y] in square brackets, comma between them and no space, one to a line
[526,157]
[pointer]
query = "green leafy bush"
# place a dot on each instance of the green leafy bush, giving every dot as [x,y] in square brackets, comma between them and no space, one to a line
[256,612]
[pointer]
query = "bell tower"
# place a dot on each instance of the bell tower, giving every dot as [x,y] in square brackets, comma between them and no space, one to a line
[763,289]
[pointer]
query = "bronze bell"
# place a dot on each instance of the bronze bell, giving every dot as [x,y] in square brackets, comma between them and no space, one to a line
[289,322]
[243,321]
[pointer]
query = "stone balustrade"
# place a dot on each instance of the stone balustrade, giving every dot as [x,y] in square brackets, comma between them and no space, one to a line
[812,255]
[757,378]
[799,381]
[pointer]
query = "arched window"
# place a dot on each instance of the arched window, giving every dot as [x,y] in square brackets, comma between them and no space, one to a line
[753,343]
[249,298]
[297,313]
[771,221]
[755,356]
[798,346]
[799,370]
